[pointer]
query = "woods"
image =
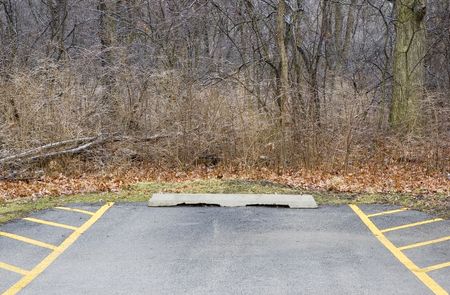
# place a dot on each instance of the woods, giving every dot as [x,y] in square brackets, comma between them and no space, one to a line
[294,84]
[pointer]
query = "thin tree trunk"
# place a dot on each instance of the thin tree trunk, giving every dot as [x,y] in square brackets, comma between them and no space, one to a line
[106,36]
[284,74]
[338,27]
[348,30]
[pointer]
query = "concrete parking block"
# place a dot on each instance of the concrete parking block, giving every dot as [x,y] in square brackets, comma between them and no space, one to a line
[233,200]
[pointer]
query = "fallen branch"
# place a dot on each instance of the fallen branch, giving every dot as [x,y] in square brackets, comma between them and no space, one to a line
[87,142]
[72,151]
[43,148]
[141,139]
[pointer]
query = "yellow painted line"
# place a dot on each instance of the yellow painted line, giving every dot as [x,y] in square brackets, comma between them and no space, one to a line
[75,210]
[435,267]
[420,274]
[36,271]
[51,223]
[13,268]
[430,242]
[27,240]
[411,225]
[387,212]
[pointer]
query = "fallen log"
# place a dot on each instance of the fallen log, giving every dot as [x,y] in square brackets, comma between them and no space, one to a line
[43,148]
[33,155]
[72,151]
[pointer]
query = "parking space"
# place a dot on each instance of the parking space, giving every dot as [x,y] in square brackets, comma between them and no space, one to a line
[23,256]
[28,246]
[35,231]
[421,243]
[8,279]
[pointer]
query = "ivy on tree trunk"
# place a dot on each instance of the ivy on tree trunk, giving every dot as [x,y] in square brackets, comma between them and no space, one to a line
[408,72]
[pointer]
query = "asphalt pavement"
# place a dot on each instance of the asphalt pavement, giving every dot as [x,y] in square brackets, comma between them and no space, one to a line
[129,248]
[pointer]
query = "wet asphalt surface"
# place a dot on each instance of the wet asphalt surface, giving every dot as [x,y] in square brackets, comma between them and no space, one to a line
[134,249]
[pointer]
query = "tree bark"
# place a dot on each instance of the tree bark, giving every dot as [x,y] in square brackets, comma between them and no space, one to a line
[281,43]
[348,30]
[284,74]
[338,27]
[106,35]
[58,15]
[409,71]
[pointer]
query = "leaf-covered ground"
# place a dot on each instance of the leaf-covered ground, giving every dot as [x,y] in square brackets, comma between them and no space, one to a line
[408,179]
[406,186]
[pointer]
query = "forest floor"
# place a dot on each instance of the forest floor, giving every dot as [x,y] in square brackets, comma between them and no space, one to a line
[410,187]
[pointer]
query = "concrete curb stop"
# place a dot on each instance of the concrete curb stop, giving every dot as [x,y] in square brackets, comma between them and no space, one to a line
[233,200]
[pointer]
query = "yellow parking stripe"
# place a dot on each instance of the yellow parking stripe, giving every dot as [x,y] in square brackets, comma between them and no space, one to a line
[420,274]
[387,212]
[36,271]
[411,225]
[51,223]
[425,243]
[13,268]
[27,240]
[75,210]
[435,267]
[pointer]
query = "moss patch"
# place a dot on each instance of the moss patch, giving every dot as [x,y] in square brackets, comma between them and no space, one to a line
[140,192]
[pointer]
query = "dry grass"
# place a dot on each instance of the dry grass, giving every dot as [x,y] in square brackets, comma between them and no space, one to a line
[222,121]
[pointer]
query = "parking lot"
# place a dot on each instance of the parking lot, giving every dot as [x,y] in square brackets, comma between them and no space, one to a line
[133,249]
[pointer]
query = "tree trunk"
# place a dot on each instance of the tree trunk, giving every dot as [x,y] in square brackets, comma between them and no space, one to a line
[348,30]
[409,69]
[284,74]
[281,43]
[106,36]
[58,19]
[338,26]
